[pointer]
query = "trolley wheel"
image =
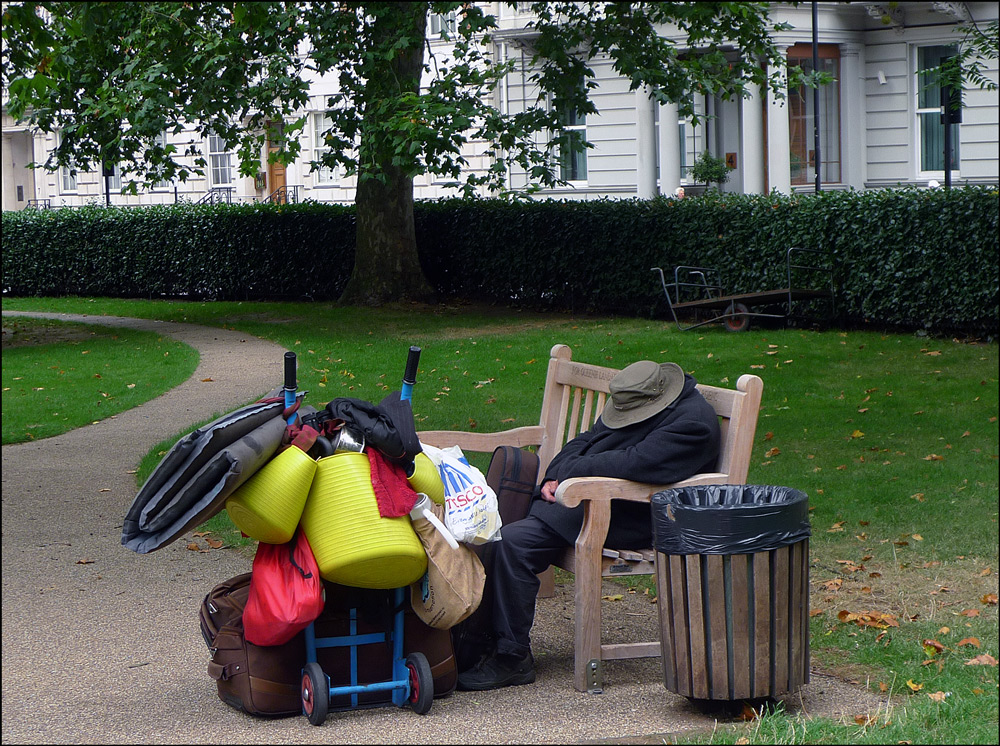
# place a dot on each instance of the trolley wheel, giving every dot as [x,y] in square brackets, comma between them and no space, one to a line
[421,683]
[739,322]
[315,693]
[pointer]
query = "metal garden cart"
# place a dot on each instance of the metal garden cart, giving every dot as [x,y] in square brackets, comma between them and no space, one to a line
[810,277]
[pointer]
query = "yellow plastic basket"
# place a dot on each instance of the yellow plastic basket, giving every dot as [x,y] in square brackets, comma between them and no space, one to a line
[353,544]
[427,479]
[268,506]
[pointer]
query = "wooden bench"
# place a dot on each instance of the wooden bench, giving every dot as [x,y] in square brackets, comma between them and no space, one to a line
[574,396]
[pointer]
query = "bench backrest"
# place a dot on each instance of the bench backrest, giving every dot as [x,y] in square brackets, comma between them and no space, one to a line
[575,395]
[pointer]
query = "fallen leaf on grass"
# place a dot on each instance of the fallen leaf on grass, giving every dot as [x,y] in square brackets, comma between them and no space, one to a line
[932,647]
[985,659]
[933,457]
[969,612]
[833,585]
[864,720]
[937,696]
[990,599]
[970,641]
[868,619]
[838,526]
[913,685]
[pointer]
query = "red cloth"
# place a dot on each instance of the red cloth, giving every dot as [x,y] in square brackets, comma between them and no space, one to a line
[393,492]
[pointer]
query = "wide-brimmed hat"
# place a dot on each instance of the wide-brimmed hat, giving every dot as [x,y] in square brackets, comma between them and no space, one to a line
[641,390]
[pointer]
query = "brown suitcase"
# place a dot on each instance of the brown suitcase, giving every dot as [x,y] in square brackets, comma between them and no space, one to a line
[258,680]
[224,603]
[512,474]
[266,681]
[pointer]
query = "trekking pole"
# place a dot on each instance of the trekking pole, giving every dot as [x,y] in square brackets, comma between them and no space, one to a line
[410,374]
[422,508]
[290,384]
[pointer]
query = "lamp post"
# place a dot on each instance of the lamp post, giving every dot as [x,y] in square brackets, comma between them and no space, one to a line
[815,50]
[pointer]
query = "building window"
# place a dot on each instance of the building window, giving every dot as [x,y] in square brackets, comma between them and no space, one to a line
[67,175]
[220,160]
[802,117]
[161,141]
[114,174]
[443,25]
[930,129]
[573,162]
[67,178]
[323,174]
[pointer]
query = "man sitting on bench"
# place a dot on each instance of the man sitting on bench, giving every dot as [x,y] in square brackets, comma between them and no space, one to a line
[657,428]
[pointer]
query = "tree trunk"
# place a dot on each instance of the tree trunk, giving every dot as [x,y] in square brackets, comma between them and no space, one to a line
[386,263]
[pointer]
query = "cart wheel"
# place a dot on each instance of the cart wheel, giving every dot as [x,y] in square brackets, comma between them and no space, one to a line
[315,693]
[738,322]
[421,683]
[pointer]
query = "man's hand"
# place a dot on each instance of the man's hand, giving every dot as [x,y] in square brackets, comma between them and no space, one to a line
[549,490]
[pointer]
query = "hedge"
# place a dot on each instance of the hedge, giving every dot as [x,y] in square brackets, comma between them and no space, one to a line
[907,258]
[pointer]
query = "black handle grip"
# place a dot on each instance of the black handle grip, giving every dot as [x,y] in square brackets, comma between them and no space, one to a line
[289,370]
[410,376]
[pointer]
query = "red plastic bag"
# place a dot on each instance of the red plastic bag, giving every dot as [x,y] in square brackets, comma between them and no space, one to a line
[286,592]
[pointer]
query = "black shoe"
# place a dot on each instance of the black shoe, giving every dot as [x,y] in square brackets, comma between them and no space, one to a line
[497,671]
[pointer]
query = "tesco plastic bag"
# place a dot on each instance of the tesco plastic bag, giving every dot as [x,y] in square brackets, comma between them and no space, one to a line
[472,513]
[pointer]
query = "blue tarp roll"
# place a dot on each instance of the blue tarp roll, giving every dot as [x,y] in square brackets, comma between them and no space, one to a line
[729,519]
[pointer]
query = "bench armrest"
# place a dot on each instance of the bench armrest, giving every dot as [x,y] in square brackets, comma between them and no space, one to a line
[483,442]
[571,492]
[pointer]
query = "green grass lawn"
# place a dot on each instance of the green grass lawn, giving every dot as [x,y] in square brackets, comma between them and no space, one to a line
[60,376]
[894,438]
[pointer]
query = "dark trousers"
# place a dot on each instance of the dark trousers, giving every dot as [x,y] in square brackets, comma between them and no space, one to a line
[512,565]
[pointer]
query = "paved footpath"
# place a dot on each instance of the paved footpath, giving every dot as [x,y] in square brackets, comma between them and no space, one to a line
[101,645]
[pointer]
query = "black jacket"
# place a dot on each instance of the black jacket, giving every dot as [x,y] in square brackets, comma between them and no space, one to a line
[681,441]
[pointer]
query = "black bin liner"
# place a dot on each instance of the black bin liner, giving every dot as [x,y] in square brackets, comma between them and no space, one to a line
[729,519]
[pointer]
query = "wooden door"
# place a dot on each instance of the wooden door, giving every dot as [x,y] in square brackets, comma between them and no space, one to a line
[275,171]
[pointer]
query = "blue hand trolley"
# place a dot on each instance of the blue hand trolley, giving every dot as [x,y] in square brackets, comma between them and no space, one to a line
[411,682]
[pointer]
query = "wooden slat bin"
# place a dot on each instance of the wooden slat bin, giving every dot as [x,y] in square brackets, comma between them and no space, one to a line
[732,572]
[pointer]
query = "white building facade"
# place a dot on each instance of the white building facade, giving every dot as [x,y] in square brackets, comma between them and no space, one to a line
[879,125]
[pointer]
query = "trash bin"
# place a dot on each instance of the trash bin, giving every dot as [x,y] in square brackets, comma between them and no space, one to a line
[732,577]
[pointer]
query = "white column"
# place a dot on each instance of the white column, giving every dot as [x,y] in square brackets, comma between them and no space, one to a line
[645,145]
[670,150]
[853,127]
[779,174]
[752,141]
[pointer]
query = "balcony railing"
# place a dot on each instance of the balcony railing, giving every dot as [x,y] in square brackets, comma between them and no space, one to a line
[217,195]
[285,195]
